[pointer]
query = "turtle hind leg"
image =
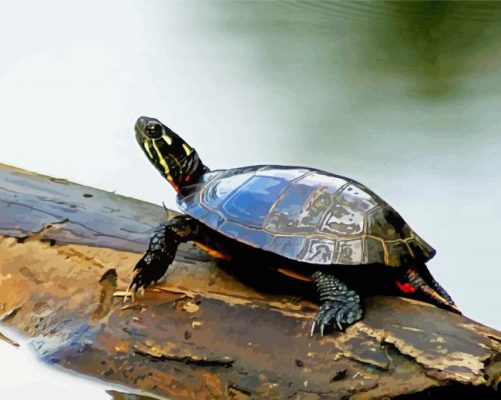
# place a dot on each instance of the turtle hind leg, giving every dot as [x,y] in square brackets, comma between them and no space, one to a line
[428,288]
[428,277]
[162,249]
[340,306]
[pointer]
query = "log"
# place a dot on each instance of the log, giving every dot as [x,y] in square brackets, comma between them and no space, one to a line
[66,256]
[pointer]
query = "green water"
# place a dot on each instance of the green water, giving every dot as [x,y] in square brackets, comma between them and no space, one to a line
[402,96]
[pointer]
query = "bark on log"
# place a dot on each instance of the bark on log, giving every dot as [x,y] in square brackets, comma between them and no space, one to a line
[66,250]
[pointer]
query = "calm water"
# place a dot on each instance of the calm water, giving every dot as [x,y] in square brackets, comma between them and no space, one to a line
[404,97]
[23,377]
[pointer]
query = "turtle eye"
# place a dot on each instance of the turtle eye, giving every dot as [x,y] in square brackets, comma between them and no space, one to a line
[153,130]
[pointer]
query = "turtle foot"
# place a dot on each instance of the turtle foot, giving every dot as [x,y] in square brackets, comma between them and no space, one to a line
[147,271]
[340,307]
[337,314]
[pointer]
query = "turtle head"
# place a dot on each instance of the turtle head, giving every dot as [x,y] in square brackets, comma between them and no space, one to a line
[172,156]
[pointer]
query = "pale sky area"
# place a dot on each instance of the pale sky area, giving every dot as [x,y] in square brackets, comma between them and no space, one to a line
[259,83]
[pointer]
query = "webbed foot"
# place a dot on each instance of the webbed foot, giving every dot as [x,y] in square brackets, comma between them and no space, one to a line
[338,314]
[147,271]
[341,307]
[161,251]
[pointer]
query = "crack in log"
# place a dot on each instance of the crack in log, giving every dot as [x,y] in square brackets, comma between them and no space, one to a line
[243,392]
[224,362]
[9,203]
[74,253]
[97,234]
[365,362]
[101,234]
[3,188]
[37,235]
[463,366]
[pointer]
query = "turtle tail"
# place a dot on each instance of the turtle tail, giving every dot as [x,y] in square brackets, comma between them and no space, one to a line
[415,283]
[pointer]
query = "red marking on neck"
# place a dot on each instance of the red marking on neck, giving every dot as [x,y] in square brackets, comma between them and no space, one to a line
[171,181]
[406,287]
[188,177]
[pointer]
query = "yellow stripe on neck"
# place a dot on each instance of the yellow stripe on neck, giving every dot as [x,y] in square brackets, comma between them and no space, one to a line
[148,149]
[187,149]
[161,160]
[167,139]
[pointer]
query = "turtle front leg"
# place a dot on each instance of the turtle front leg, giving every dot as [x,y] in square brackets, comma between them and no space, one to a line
[162,249]
[339,304]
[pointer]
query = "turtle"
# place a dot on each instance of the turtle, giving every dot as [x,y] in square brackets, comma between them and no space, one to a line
[308,223]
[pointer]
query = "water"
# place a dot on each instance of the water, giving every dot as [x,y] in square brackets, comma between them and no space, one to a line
[24,377]
[401,96]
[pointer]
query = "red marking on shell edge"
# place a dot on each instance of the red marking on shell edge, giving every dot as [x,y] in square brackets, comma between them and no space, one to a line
[406,287]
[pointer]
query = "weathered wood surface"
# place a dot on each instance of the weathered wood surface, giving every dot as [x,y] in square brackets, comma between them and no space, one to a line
[66,249]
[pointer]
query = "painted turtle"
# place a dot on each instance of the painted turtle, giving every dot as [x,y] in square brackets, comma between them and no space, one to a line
[309,223]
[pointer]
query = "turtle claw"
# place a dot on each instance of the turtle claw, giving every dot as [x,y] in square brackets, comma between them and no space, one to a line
[339,314]
[126,295]
[338,320]
[131,294]
[147,272]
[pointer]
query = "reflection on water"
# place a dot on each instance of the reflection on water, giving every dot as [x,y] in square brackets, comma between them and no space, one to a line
[22,377]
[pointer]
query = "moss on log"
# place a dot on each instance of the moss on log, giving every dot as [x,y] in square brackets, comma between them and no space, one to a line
[66,254]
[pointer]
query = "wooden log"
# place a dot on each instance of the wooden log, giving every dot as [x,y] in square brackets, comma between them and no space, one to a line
[67,251]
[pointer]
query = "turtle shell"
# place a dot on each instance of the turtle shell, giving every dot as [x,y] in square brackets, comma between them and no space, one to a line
[304,214]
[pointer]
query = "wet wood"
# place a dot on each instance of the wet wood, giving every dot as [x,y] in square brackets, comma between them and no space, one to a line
[66,254]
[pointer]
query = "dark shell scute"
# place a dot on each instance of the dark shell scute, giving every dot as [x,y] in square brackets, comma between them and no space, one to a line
[251,203]
[289,174]
[318,251]
[387,224]
[420,248]
[349,252]
[315,210]
[288,246]
[214,220]
[343,221]
[233,230]
[258,238]
[288,213]
[398,253]
[196,210]
[254,237]
[355,198]
[219,189]
[374,251]
[318,179]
